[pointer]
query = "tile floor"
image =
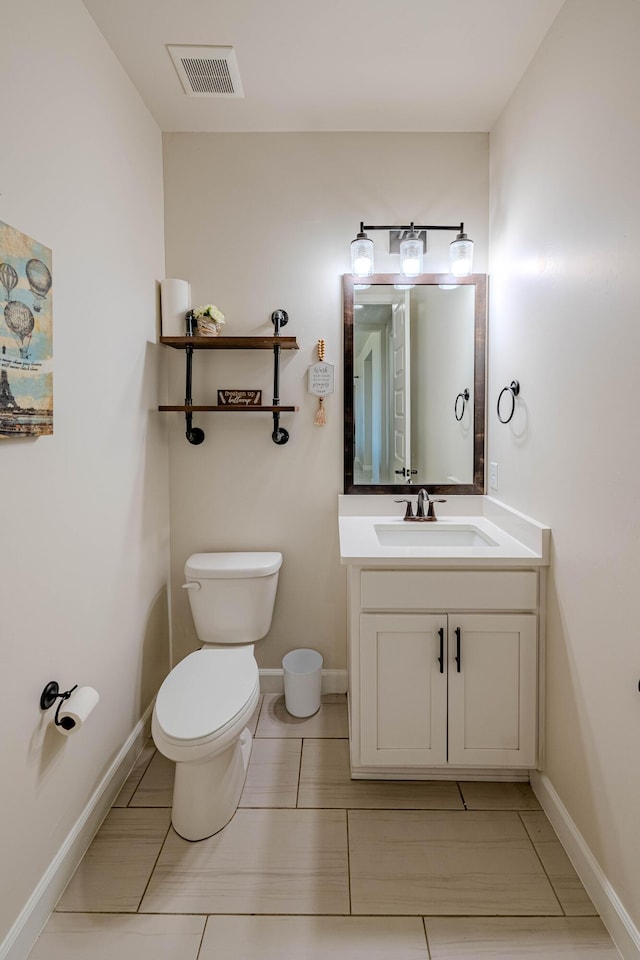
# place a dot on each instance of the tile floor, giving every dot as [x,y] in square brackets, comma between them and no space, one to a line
[316,866]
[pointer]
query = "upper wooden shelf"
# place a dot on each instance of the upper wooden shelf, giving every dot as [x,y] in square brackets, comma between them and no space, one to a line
[231,343]
[228,408]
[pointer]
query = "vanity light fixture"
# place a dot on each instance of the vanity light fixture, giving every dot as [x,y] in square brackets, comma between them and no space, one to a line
[461,254]
[411,250]
[362,255]
[411,253]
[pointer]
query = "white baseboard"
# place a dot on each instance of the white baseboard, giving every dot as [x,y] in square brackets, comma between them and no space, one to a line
[615,917]
[272,681]
[25,931]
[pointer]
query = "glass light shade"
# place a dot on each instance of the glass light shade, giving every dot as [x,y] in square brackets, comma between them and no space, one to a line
[461,256]
[411,252]
[362,256]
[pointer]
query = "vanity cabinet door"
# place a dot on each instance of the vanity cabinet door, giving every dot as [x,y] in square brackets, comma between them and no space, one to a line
[403,689]
[492,682]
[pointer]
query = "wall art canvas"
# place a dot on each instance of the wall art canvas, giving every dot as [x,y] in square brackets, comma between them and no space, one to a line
[26,361]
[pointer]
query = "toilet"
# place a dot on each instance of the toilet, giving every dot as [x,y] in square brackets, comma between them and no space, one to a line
[202,709]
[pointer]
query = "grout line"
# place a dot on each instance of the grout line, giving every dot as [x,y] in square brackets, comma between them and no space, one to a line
[359,916]
[426,937]
[254,734]
[134,913]
[346,812]
[297,803]
[204,929]
[503,916]
[537,853]
[155,864]
[353,805]
[139,781]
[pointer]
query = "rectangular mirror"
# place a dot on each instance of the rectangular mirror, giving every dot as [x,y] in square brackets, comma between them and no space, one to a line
[414,398]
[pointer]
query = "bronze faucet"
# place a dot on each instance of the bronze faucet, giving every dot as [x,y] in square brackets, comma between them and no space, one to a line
[420,514]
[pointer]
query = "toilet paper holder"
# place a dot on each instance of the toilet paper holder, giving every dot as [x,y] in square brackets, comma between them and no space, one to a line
[49,696]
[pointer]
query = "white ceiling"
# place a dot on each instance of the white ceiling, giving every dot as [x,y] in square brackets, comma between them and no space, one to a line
[375,65]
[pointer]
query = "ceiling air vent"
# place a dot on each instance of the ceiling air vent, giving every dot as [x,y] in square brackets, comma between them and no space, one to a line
[207,71]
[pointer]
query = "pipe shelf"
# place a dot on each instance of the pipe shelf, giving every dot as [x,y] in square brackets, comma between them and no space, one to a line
[191,342]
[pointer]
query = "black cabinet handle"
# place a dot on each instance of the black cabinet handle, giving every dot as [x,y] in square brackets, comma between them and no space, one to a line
[441,657]
[457,657]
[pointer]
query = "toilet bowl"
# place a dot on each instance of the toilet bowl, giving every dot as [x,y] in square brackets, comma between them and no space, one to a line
[202,709]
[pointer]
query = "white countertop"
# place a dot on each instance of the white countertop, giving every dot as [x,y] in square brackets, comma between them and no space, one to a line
[518,541]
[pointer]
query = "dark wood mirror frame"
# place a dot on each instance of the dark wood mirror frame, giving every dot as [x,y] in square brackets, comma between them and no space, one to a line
[479,281]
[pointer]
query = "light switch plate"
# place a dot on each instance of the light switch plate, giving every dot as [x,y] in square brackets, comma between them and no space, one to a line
[493,476]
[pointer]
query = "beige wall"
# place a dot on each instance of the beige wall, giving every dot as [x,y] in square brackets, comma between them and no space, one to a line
[84,536]
[565,207]
[260,221]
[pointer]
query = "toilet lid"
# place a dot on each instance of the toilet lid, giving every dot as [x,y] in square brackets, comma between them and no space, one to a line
[206,691]
[232,566]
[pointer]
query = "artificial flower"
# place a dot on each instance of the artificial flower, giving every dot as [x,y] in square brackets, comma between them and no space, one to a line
[209,310]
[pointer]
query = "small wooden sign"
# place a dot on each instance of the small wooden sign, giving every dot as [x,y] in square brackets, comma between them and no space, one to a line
[239,398]
[320,382]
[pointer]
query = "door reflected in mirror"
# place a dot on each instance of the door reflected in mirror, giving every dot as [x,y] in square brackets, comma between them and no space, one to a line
[414,355]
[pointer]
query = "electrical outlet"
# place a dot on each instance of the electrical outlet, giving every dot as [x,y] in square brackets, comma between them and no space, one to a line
[493,476]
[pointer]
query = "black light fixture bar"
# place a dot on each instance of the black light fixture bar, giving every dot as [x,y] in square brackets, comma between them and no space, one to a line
[411,226]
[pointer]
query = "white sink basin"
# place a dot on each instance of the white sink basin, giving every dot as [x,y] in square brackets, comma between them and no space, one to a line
[437,534]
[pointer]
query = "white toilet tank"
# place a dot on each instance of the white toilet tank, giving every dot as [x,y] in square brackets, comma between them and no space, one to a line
[232,595]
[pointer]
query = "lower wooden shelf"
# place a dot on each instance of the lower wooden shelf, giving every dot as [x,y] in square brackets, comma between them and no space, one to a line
[227,407]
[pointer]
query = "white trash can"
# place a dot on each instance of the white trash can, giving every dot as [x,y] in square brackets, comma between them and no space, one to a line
[302,682]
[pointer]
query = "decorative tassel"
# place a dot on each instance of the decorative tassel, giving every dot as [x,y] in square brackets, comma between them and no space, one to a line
[321,416]
[320,349]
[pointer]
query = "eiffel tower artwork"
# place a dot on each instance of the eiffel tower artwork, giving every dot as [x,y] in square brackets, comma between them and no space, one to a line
[7,399]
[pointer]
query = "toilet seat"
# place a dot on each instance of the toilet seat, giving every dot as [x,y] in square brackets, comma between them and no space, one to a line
[206,694]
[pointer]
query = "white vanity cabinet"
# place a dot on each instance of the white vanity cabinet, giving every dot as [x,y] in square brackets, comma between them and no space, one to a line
[443,671]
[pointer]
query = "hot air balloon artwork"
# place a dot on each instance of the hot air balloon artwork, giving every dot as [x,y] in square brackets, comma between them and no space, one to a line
[26,317]
[20,321]
[8,278]
[39,277]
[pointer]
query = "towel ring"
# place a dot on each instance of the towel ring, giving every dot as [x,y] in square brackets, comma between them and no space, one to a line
[514,390]
[464,396]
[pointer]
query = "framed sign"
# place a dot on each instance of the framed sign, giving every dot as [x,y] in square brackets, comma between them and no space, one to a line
[240,398]
[320,382]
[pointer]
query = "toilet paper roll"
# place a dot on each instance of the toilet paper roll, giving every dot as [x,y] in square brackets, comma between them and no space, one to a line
[76,709]
[175,301]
